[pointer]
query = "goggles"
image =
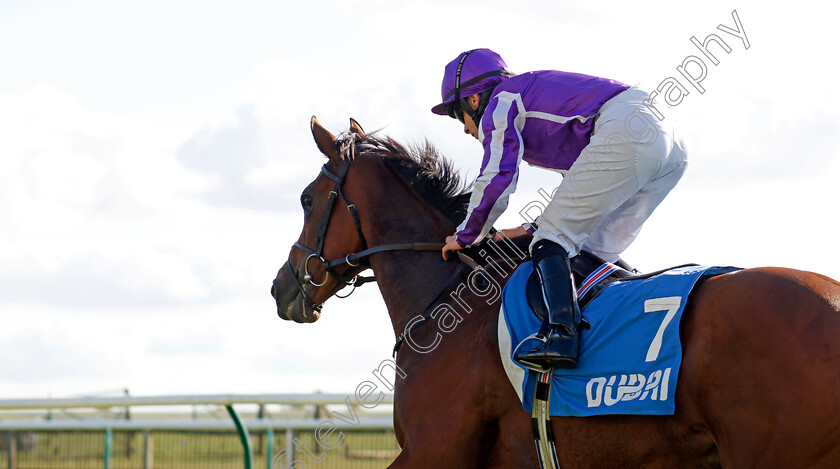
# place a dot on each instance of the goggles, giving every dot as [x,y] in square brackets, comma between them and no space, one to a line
[455,110]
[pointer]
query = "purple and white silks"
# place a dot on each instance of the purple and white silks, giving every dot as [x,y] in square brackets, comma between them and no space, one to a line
[544,118]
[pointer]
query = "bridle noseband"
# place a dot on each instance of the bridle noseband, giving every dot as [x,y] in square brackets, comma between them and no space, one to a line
[348,150]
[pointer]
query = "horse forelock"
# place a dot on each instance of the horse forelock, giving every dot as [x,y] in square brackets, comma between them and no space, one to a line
[429,173]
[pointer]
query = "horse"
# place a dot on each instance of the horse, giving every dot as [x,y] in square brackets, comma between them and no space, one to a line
[759,385]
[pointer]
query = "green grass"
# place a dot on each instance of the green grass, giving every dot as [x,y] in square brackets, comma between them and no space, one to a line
[194,450]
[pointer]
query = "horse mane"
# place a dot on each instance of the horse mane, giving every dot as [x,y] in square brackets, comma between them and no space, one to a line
[427,172]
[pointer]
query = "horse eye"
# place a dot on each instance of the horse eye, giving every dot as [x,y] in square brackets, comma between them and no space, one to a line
[306,201]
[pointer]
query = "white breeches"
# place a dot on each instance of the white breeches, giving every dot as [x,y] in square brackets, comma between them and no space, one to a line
[632,162]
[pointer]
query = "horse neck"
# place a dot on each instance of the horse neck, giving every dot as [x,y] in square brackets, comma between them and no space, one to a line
[410,280]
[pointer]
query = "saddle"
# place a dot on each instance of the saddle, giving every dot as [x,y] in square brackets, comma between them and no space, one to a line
[583,265]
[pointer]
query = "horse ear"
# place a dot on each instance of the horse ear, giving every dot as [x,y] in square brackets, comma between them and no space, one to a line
[356,128]
[324,139]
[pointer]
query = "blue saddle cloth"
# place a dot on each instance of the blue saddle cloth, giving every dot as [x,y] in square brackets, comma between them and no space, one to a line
[629,359]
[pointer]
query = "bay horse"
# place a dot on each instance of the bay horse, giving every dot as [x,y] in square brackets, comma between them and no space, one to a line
[759,385]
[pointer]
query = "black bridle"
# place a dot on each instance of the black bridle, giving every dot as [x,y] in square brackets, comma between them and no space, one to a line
[348,150]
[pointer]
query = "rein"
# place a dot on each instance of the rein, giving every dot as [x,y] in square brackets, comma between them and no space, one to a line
[466,261]
[348,150]
[427,311]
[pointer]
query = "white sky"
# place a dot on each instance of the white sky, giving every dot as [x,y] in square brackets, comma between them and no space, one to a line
[152,154]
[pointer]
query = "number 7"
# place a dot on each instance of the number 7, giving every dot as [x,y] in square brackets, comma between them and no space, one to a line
[672,305]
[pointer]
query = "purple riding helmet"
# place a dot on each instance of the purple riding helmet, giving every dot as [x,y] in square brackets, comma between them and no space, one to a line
[477,71]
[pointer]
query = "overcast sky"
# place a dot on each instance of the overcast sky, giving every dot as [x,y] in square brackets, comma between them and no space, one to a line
[152,154]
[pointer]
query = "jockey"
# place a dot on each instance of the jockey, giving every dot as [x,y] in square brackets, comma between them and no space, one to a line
[618,162]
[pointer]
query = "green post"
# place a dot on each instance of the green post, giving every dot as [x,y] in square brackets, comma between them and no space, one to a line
[269,451]
[12,450]
[109,438]
[243,437]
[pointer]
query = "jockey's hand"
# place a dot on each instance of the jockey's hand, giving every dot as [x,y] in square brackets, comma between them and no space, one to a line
[451,245]
[511,233]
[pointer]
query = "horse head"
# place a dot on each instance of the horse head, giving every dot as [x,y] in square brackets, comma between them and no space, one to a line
[372,196]
[331,230]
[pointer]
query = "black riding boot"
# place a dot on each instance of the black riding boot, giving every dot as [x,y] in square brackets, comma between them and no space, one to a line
[557,344]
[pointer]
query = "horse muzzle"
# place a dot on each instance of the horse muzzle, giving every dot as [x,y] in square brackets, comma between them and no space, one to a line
[291,304]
